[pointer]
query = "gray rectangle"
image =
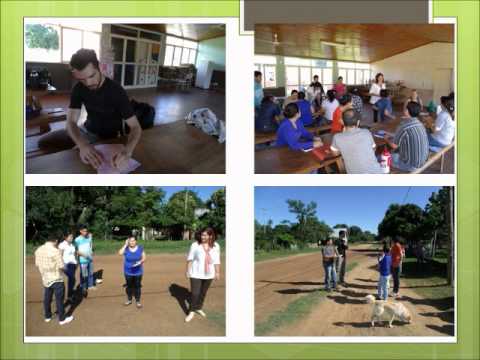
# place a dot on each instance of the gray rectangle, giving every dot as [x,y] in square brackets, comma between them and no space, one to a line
[334,11]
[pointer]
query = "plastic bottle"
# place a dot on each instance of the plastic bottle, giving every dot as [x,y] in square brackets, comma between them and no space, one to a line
[385,161]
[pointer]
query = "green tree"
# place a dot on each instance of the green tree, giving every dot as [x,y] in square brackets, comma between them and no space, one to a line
[41,36]
[215,216]
[180,213]
[405,221]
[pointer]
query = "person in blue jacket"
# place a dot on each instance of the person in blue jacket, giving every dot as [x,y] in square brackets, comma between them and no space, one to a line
[384,265]
[305,109]
[292,132]
[133,259]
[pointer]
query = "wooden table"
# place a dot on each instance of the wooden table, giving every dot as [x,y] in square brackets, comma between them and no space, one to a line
[46,117]
[262,138]
[282,160]
[175,148]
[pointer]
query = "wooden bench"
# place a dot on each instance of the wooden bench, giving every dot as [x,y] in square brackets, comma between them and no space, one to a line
[433,157]
[263,138]
[283,160]
[43,121]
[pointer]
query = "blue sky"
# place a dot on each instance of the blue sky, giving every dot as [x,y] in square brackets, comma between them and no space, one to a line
[362,206]
[203,192]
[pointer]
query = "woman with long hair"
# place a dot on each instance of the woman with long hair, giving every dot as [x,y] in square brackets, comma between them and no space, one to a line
[374,93]
[203,266]
[133,259]
[70,261]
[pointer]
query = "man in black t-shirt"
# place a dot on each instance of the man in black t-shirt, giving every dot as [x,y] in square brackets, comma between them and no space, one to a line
[341,261]
[107,106]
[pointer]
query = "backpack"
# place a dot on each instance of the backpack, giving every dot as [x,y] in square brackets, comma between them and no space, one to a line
[145,114]
[206,120]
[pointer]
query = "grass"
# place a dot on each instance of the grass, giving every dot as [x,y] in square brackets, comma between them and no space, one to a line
[109,247]
[295,310]
[218,318]
[262,255]
[428,280]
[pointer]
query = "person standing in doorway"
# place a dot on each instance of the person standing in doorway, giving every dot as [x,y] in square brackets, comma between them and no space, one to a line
[133,259]
[48,260]
[203,266]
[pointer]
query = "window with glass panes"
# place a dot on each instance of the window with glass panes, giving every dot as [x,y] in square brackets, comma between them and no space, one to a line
[180,51]
[136,56]
[267,66]
[72,36]
[299,72]
[354,73]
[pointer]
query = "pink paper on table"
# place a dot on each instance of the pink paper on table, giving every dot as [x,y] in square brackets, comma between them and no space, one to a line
[107,151]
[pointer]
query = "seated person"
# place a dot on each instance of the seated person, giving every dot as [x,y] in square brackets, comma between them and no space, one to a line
[443,130]
[356,146]
[329,105]
[413,97]
[292,133]
[318,111]
[345,104]
[257,89]
[268,115]
[410,141]
[440,107]
[357,102]
[384,106]
[108,107]
[292,98]
[305,109]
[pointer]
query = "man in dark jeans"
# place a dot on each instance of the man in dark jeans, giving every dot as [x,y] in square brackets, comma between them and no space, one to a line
[341,260]
[396,253]
[48,259]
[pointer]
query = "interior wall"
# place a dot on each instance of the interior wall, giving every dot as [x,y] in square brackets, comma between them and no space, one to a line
[212,50]
[419,68]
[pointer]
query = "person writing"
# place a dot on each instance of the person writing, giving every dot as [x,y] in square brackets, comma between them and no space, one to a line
[133,259]
[107,106]
[356,146]
[375,93]
[293,134]
[203,266]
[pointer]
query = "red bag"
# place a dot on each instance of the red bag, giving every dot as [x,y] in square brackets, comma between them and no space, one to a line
[322,152]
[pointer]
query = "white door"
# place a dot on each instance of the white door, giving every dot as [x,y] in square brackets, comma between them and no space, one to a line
[442,83]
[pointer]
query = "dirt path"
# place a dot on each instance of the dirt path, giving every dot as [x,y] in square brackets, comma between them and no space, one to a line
[344,313]
[165,291]
[281,281]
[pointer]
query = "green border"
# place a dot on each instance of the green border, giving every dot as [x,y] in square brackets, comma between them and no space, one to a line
[11,202]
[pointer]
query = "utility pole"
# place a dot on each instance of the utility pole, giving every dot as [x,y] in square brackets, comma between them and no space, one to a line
[185,214]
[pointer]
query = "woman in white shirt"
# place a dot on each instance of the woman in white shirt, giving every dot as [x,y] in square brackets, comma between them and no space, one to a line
[329,105]
[203,265]
[374,93]
[443,130]
[70,261]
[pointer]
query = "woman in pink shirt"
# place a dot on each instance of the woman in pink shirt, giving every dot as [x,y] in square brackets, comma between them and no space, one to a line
[340,87]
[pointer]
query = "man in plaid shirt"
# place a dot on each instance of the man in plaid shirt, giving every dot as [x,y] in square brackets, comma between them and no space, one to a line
[48,259]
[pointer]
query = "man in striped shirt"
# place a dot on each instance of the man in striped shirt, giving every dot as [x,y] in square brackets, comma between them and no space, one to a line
[410,141]
[48,259]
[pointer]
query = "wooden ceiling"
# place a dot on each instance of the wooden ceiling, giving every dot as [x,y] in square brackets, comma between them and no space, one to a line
[362,42]
[197,32]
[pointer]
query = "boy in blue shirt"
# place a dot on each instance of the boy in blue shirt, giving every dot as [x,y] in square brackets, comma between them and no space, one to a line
[83,243]
[384,265]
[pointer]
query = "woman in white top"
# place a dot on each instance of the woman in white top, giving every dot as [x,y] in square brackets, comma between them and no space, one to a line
[70,261]
[375,93]
[329,105]
[203,265]
[443,130]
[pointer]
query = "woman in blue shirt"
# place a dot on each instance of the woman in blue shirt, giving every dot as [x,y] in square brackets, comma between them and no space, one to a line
[133,259]
[292,132]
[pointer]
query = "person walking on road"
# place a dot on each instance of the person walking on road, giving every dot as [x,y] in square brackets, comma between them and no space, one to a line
[203,266]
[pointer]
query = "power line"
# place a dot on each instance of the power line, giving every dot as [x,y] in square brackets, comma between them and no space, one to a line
[406,195]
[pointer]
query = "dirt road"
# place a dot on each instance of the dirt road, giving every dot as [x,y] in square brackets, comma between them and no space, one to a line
[165,296]
[342,313]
